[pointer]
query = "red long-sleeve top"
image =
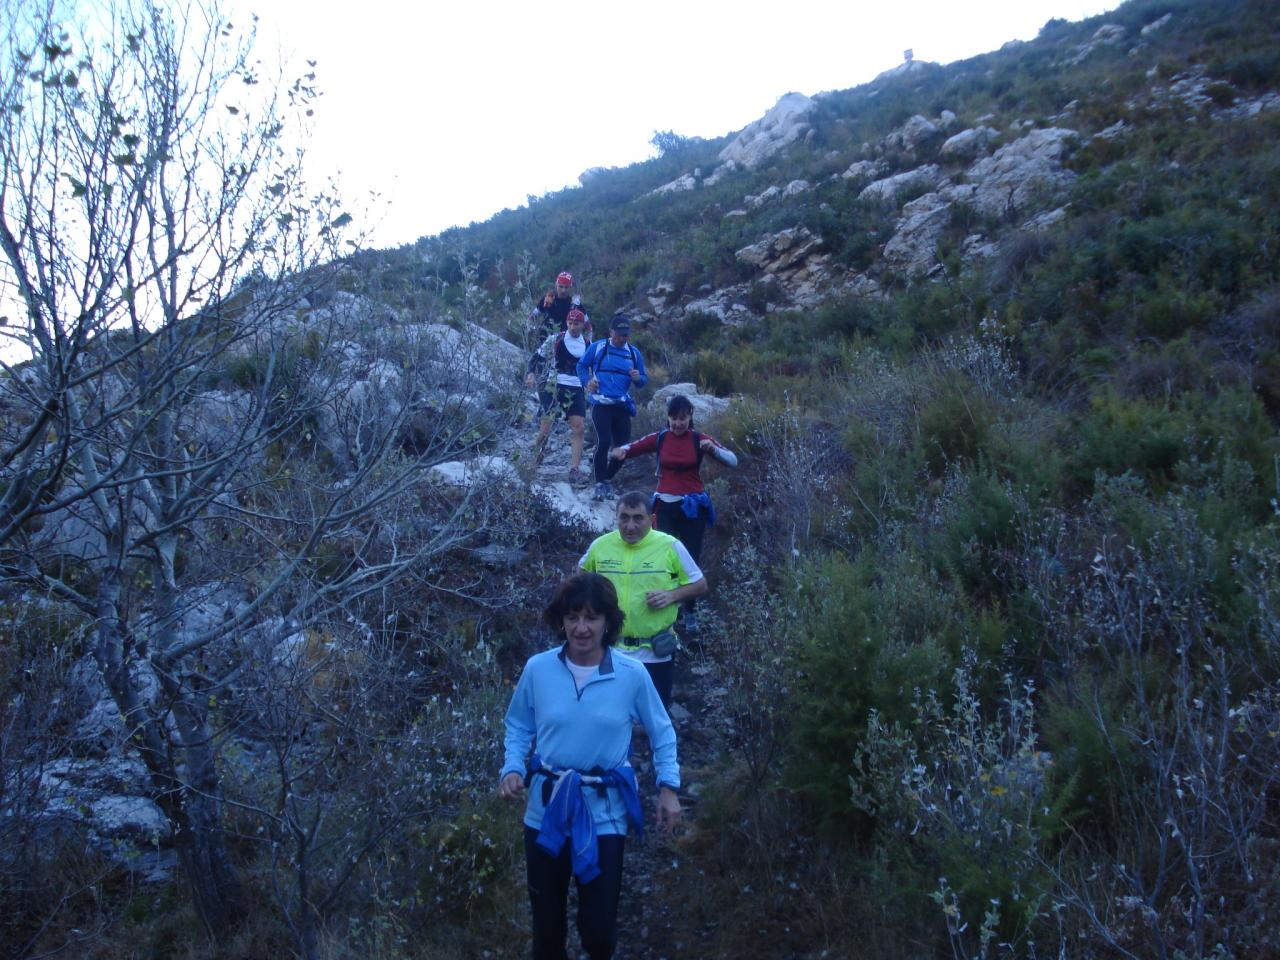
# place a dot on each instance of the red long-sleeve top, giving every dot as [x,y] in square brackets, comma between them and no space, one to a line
[677,461]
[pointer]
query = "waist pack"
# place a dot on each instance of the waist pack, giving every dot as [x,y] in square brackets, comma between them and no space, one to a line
[665,643]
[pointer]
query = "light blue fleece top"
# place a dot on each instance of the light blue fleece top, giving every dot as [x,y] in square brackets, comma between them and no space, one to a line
[583,731]
[611,366]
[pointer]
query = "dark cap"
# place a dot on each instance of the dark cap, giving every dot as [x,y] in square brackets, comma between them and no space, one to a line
[620,322]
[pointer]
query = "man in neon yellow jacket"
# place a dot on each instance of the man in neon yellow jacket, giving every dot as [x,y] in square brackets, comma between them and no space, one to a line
[653,573]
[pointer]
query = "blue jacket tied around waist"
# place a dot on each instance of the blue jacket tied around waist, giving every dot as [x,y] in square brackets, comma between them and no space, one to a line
[587,729]
[567,817]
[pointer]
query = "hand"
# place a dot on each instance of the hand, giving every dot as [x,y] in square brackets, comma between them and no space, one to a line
[668,810]
[657,599]
[635,375]
[530,380]
[617,453]
[549,299]
[707,444]
[593,385]
[512,788]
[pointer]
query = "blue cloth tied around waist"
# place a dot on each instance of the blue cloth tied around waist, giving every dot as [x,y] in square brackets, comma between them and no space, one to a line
[566,816]
[692,504]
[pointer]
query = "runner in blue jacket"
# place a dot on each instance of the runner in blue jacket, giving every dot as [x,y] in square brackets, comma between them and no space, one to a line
[579,702]
[608,370]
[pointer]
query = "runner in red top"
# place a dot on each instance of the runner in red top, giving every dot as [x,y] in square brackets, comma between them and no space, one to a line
[681,504]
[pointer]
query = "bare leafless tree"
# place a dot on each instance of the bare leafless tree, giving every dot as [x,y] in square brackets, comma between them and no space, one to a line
[193,416]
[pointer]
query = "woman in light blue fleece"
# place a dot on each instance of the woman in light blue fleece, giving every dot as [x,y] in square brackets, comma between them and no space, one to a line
[579,702]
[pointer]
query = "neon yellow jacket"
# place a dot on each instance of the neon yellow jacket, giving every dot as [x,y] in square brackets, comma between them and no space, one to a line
[634,570]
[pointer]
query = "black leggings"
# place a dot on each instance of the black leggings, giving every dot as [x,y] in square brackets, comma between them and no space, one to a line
[671,519]
[613,429]
[689,531]
[597,900]
[662,674]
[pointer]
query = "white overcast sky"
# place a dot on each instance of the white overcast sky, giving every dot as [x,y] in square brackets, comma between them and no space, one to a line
[454,111]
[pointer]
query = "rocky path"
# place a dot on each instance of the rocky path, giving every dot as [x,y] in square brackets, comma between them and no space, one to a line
[551,476]
[651,923]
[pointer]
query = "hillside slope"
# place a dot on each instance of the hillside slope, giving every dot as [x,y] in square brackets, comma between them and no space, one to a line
[990,666]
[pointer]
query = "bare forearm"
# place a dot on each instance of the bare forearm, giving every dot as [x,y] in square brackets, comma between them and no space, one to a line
[690,590]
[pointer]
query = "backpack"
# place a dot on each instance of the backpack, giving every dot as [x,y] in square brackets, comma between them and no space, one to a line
[657,454]
[595,371]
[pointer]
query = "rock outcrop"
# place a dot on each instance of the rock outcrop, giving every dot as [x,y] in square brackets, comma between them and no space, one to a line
[969,144]
[913,247]
[705,405]
[863,171]
[905,69]
[1107,35]
[679,185]
[1024,174]
[780,251]
[887,190]
[782,126]
[914,137]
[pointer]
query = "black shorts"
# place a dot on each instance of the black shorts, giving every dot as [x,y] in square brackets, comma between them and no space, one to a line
[565,402]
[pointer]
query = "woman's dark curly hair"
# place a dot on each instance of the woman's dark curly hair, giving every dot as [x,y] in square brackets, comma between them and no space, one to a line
[585,591]
[680,404]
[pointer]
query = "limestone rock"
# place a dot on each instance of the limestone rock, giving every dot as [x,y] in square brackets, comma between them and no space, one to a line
[913,137]
[887,190]
[781,250]
[466,473]
[796,187]
[1023,174]
[913,247]
[863,171]
[474,359]
[707,305]
[978,247]
[757,200]
[1045,221]
[215,418]
[905,69]
[860,285]
[968,144]
[679,185]
[1107,35]
[1246,109]
[573,504]
[705,405]
[108,797]
[131,817]
[782,126]
[719,173]
[1117,129]
[659,294]
[1155,25]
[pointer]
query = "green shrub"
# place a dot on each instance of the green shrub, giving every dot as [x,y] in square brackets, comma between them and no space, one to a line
[1119,436]
[870,637]
[1172,312]
[953,426]
[1254,70]
[1152,438]
[698,331]
[713,372]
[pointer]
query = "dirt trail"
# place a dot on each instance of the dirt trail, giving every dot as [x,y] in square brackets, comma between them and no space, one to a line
[650,925]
